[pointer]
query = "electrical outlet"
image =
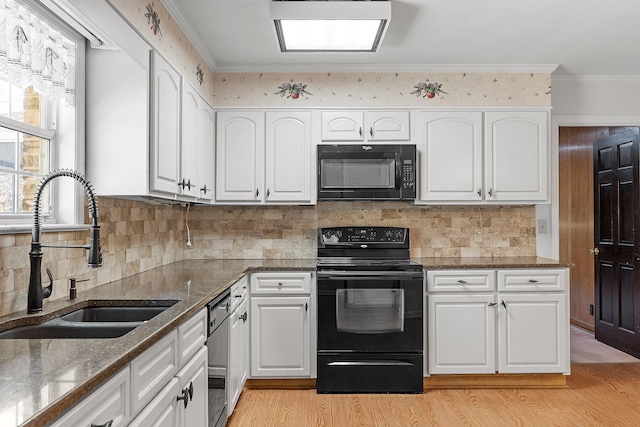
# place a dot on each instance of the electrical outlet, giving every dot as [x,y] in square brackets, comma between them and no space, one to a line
[542,226]
[591,309]
[477,235]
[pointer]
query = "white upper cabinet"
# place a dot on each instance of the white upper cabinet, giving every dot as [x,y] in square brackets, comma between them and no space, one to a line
[516,155]
[189,148]
[451,156]
[264,157]
[483,157]
[206,178]
[197,146]
[165,129]
[288,156]
[239,155]
[365,126]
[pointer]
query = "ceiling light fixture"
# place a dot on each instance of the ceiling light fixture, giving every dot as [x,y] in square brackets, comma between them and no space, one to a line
[330,25]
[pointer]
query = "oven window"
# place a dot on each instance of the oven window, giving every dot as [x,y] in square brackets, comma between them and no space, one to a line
[357,173]
[370,311]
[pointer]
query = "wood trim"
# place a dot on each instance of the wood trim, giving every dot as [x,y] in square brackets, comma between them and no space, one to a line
[589,327]
[281,383]
[434,382]
[496,381]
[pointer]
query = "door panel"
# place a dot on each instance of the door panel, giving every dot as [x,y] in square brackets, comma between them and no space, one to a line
[617,215]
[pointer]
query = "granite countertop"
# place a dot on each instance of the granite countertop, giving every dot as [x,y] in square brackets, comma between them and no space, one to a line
[42,378]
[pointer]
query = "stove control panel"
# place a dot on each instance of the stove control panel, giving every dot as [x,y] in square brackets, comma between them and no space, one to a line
[346,235]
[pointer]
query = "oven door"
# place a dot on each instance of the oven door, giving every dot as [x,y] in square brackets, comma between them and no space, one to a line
[376,311]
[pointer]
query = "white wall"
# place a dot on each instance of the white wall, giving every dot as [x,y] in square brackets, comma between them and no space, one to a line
[583,101]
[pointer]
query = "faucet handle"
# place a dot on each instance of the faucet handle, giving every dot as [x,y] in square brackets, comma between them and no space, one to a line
[46,292]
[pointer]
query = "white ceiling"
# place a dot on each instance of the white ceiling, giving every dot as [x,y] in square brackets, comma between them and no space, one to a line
[582,37]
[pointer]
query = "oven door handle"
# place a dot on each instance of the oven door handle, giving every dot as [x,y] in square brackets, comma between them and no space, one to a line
[368,275]
[371,363]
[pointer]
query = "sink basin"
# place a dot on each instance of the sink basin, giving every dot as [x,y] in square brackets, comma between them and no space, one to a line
[115,314]
[57,328]
[101,321]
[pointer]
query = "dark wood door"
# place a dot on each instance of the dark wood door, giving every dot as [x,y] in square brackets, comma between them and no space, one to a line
[617,261]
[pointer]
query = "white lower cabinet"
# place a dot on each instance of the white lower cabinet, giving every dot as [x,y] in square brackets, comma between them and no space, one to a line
[155,386]
[238,353]
[520,327]
[108,405]
[280,341]
[282,324]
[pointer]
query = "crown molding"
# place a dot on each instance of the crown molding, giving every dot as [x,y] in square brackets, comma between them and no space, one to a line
[188,29]
[568,79]
[394,68]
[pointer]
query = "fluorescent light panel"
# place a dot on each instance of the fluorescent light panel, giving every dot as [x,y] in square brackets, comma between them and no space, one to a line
[330,26]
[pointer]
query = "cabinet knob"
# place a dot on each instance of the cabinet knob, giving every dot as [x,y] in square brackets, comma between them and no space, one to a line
[594,251]
[279,283]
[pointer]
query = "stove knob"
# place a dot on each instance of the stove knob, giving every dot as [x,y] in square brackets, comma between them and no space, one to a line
[388,234]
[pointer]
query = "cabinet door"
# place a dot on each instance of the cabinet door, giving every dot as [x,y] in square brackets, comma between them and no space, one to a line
[288,156]
[165,146]
[516,156]
[342,126]
[193,376]
[111,403]
[280,337]
[152,370]
[207,151]
[533,333]
[162,410]
[239,156]
[238,354]
[450,147]
[190,156]
[387,126]
[461,334]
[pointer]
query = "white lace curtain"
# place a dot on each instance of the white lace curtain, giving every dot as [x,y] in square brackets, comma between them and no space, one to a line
[32,53]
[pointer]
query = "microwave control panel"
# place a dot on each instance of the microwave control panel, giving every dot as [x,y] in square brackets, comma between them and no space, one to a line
[408,174]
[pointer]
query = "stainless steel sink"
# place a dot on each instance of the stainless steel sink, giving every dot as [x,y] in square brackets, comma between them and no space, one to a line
[98,321]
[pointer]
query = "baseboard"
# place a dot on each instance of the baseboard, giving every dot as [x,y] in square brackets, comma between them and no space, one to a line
[496,381]
[589,327]
[434,382]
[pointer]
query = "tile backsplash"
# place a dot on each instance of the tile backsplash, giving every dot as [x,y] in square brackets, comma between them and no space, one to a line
[137,236]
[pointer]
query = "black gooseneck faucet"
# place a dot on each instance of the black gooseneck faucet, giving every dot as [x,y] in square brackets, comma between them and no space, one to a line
[36,293]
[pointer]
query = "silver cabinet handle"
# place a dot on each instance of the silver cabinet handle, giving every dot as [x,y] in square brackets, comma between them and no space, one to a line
[490,193]
[360,131]
[491,304]
[462,281]
[257,192]
[371,131]
[204,189]
[268,192]
[533,281]
[503,304]
[479,192]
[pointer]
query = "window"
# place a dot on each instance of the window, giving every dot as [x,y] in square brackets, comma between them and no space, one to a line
[41,124]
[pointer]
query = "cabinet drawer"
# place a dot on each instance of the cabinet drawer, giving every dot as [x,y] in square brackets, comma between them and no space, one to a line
[151,371]
[461,280]
[109,403]
[238,292]
[533,280]
[281,283]
[192,335]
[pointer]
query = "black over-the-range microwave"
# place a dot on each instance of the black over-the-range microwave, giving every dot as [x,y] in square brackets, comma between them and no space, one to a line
[366,172]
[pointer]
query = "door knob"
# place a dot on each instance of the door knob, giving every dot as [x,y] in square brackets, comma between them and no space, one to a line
[594,251]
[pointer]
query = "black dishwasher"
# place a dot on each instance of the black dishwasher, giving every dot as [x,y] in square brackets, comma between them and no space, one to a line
[218,346]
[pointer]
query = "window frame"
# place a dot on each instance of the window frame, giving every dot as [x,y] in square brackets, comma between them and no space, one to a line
[67,148]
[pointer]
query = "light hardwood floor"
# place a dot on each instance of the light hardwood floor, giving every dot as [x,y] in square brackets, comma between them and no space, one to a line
[598,394]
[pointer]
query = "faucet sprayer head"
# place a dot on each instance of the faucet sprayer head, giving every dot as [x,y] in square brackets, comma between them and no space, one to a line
[95,254]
